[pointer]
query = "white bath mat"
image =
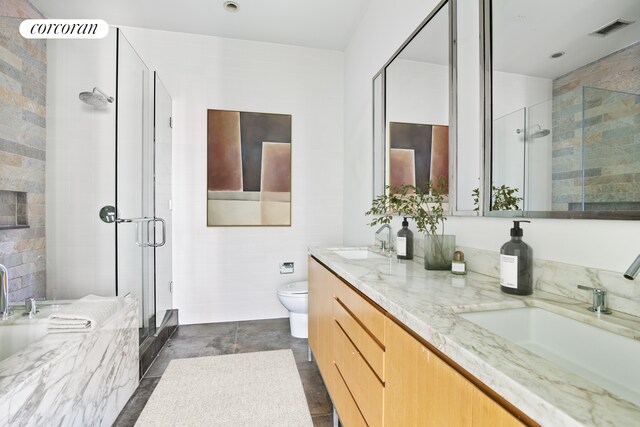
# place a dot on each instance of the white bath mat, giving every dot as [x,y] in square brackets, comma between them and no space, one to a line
[247,389]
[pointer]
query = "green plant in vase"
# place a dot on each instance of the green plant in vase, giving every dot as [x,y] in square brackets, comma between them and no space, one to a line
[503,198]
[426,210]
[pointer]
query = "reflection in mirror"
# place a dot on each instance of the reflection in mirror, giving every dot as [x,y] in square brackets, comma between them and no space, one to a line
[417,106]
[379,157]
[566,106]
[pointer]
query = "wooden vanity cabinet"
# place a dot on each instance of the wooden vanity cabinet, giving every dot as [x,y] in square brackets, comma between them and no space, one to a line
[346,334]
[423,390]
[378,374]
[321,283]
[358,350]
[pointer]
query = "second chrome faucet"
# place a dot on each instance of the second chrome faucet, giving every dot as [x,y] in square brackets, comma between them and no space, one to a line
[389,241]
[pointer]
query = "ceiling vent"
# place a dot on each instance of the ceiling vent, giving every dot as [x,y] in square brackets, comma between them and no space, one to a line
[616,25]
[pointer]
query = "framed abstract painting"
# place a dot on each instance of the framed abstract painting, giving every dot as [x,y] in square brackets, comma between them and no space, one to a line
[248,168]
[418,153]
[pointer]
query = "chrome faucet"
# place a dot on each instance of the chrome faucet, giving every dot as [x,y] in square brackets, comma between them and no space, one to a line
[599,299]
[632,271]
[5,313]
[389,237]
[30,307]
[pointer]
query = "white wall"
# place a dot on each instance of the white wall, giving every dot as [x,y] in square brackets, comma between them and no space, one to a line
[232,273]
[514,91]
[601,244]
[80,168]
[417,93]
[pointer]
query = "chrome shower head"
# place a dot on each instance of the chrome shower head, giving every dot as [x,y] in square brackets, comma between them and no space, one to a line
[95,98]
[538,134]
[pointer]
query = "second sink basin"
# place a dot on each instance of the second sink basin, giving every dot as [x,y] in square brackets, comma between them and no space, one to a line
[605,358]
[357,254]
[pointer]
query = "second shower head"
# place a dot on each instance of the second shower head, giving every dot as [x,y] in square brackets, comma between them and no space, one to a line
[537,134]
[96,98]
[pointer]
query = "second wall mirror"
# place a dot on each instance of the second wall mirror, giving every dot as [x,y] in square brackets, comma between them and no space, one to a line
[565,123]
[414,111]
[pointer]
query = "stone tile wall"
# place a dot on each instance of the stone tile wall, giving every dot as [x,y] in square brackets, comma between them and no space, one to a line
[19,9]
[23,68]
[611,138]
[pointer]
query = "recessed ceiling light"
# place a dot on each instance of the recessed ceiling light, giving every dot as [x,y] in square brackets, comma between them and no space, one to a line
[557,54]
[231,6]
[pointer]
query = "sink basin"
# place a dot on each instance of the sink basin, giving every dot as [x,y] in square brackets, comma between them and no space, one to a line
[358,254]
[610,360]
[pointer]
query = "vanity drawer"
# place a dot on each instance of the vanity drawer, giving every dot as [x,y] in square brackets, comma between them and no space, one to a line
[364,311]
[366,345]
[365,387]
[345,405]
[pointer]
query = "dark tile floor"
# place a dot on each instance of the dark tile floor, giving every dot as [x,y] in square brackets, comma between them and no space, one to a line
[227,338]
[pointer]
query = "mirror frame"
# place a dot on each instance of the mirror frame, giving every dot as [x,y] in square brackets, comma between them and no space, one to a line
[486,59]
[380,173]
[379,132]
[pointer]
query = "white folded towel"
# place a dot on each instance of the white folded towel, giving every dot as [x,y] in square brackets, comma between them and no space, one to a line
[85,314]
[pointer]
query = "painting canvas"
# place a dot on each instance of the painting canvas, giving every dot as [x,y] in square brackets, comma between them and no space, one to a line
[418,153]
[248,168]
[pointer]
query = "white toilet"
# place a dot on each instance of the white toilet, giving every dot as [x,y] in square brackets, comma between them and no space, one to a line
[295,298]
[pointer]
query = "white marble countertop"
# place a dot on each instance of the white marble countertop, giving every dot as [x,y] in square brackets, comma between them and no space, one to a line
[428,302]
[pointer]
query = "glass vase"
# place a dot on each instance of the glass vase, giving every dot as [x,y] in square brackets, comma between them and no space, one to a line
[438,251]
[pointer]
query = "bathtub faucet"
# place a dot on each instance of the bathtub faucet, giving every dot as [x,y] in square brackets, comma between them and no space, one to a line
[5,313]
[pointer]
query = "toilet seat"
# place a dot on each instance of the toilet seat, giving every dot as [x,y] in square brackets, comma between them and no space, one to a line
[295,289]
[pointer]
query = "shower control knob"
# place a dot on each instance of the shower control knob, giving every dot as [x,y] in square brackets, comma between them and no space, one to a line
[108,214]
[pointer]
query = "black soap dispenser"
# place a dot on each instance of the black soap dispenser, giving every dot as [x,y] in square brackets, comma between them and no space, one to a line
[404,242]
[516,264]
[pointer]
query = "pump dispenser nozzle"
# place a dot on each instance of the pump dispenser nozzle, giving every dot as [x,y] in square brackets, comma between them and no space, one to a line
[516,230]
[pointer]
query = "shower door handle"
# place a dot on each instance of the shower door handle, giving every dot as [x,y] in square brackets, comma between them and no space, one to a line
[140,236]
[164,232]
[109,214]
[140,239]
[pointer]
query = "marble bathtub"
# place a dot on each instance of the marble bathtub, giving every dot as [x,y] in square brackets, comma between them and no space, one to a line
[70,379]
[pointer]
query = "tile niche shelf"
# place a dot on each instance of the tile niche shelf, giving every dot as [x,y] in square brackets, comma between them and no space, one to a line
[13,210]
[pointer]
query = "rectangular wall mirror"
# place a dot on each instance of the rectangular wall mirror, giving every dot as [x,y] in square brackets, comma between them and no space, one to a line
[414,107]
[563,123]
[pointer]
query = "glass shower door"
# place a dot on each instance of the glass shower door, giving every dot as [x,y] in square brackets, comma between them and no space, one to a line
[539,157]
[134,182]
[163,287]
[508,152]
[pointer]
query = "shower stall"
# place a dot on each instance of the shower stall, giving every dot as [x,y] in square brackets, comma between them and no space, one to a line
[575,152]
[108,176]
[521,154]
